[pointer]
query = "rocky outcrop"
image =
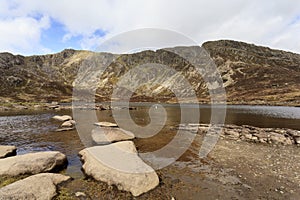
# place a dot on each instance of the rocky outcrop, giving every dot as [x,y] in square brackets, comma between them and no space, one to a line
[106,135]
[255,74]
[6,151]
[119,164]
[251,75]
[39,187]
[250,133]
[33,163]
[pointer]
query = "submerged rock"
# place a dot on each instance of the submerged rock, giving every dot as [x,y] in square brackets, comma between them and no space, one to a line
[119,164]
[33,163]
[106,135]
[6,151]
[62,118]
[39,187]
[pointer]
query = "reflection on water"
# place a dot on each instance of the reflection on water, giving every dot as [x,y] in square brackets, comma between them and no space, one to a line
[35,131]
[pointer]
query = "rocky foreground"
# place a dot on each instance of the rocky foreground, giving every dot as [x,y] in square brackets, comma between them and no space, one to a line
[116,162]
[39,184]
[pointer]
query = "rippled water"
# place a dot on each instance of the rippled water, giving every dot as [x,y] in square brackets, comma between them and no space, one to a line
[35,130]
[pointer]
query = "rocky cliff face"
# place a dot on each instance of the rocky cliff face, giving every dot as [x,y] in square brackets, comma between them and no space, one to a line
[257,75]
[250,74]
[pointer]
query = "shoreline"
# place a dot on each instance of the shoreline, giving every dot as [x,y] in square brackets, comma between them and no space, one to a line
[15,106]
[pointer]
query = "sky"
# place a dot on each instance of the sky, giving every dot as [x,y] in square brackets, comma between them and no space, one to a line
[30,27]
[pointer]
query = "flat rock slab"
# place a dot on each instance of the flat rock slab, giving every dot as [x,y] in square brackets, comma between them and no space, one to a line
[62,118]
[6,151]
[106,124]
[39,187]
[107,135]
[33,163]
[119,164]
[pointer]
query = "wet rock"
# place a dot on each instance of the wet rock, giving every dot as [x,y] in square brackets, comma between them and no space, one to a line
[69,123]
[62,118]
[106,135]
[106,124]
[33,163]
[40,187]
[119,164]
[6,151]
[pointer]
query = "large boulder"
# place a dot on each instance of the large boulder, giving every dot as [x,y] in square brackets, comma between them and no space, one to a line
[39,187]
[106,135]
[33,163]
[119,164]
[6,151]
[62,118]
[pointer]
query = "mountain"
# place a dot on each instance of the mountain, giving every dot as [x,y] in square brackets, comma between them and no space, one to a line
[251,75]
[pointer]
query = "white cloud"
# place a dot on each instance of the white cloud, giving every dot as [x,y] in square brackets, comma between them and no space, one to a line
[22,35]
[261,22]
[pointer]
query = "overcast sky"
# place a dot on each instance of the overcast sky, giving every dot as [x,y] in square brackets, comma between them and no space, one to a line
[37,27]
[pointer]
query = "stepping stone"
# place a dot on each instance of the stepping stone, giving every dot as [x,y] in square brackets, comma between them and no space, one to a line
[62,118]
[119,164]
[40,187]
[32,163]
[107,135]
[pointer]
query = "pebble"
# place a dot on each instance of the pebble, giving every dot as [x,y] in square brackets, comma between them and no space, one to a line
[80,194]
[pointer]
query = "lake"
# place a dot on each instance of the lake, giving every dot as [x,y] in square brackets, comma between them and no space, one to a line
[31,130]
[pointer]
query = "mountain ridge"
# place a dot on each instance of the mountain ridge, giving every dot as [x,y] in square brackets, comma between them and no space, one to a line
[251,75]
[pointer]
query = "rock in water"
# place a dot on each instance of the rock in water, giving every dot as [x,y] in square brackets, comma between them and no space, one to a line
[106,124]
[62,118]
[33,163]
[69,123]
[6,151]
[106,135]
[119,164]
[40,187]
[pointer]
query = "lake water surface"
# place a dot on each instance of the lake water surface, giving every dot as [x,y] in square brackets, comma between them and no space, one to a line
[35,130]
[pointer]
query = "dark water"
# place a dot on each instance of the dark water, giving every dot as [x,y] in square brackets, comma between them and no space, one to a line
[35,130]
